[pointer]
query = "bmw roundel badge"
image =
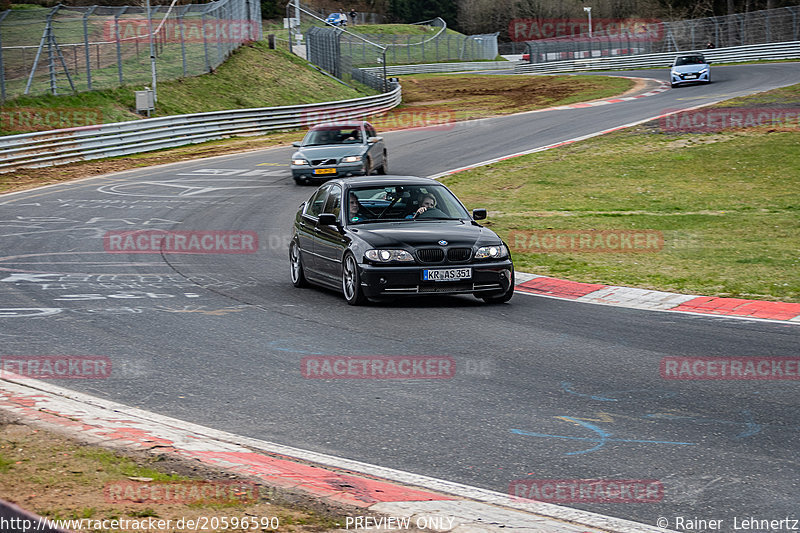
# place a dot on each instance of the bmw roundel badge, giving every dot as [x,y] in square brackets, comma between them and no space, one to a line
[442,243]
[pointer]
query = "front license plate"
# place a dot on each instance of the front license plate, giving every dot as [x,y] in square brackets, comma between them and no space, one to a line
[324,171]
[691,76]
[447,274]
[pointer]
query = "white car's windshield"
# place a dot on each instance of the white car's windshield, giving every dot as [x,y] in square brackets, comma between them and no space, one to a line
[689,60]
[403,203]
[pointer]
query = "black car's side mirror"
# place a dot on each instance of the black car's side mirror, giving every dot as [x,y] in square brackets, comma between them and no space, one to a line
[479,214]
[297,144]
[328,219]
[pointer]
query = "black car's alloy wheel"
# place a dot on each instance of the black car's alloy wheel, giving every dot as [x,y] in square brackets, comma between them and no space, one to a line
[351,284]
[298,276]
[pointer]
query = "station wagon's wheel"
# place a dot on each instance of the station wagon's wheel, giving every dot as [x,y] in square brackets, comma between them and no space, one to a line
[384,168]
[351,284]
[368,167]
[298,276]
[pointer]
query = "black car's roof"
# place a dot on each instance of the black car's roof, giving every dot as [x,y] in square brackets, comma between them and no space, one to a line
[388,181]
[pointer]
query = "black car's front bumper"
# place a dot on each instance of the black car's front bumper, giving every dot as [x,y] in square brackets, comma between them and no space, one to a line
[488,278]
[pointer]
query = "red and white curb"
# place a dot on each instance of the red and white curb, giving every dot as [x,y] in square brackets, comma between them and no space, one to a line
[367,488]
[656,300]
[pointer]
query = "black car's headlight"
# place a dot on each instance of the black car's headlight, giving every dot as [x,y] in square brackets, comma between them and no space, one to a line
[299,162]
[351,159]
[385,256]
[495,251]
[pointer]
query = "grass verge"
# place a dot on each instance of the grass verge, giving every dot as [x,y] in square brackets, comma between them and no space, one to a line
[725,202]
[61,479]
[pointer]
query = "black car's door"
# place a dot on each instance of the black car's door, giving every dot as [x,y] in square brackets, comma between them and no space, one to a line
[330,242]
[306,230]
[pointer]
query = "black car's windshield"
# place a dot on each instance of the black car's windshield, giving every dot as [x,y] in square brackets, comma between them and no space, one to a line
[403,203]
[689,60]
[333,135]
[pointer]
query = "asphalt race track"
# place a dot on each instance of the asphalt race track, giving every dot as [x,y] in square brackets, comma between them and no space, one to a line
[545,389]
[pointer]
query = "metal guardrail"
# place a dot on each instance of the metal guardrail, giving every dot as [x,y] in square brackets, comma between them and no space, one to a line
[733,54]
[425,68]
[58,147]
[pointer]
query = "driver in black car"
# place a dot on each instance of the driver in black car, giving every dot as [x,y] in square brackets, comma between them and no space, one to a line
[357,212]
[427,203]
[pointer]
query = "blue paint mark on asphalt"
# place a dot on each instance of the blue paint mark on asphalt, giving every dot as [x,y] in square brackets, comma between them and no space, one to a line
[601,439]
[274,346]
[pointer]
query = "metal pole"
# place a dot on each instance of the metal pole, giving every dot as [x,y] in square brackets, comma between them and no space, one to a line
[39,51]
[3,15]
[119,45]
[289,29]
[152,50]
[182,29]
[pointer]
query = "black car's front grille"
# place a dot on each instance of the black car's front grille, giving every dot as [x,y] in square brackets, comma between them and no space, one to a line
[317,162]
[458,255]
[446,287]
[430,255]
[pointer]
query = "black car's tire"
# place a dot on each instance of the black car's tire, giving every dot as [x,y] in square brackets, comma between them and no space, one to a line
[384,168]
[296,264]
[351,284]
[501,298]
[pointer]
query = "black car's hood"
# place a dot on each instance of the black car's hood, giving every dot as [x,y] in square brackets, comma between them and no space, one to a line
[425,233]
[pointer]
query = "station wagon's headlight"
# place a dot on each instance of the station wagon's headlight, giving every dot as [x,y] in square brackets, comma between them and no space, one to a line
[496,251]
[351,159]
[299,162]
[676,73]
[384,256]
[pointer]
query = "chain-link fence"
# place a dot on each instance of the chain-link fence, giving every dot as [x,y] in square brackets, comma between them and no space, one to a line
[68,48]
[647,37]
[343,53]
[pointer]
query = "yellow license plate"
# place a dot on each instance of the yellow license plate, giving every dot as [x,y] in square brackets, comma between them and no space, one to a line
[325,171]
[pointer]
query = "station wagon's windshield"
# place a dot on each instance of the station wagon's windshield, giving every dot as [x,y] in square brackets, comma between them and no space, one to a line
[403,203]
[333,135]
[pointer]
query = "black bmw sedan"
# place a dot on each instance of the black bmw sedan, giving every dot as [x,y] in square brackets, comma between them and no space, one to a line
[397,235]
